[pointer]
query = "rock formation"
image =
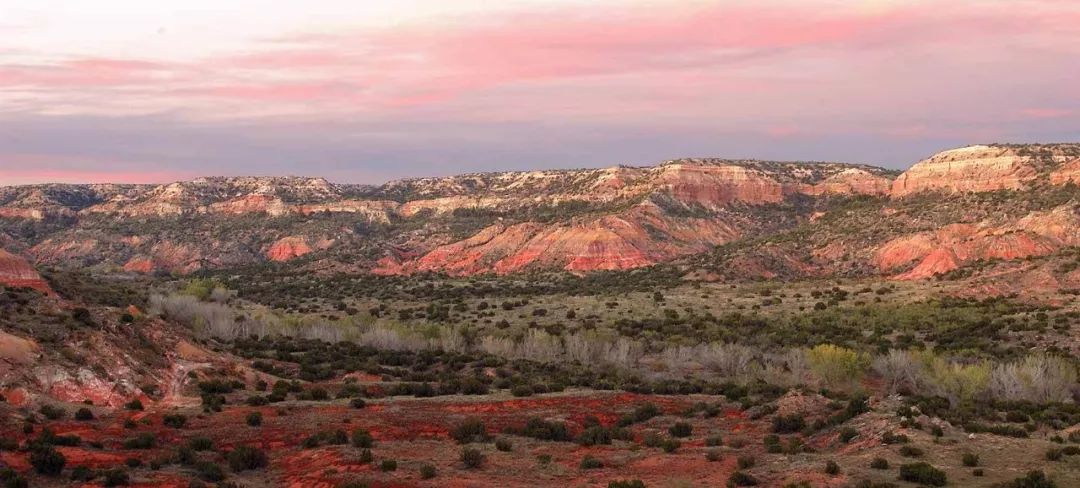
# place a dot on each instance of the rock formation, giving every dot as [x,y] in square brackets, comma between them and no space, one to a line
[16,272]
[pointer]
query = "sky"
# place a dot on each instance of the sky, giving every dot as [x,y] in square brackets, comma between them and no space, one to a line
[366,91]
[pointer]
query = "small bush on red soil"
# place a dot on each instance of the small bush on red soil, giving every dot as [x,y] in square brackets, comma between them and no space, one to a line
[133,462]
[590,462]
[115,477]
[246,457]
[740,478]
[891,438]
[714,441]
[847,434]
[388,465]
[879,463]
[52,413]
[504,445]
[186,456]
[745,462]
[922,473]
[208,471]
[361,438]
[680,429]
[788,424]
[472,458]
[521,391]
[47,461]
[642,413]
[200,444]
[257,401]
[670,445]
[427,472]
[12,479]
[145,440]
[1054,454]
[626,484]
[597,435]
[1034,479]
[772,444]
[473,386]
[254,419]
[79,473]
[713,455]
[911,451]
[84,414]
[176,421]
[357,403]
[831,468]
[471,430]
[366,457]
[970,459]
[333,437]
[541,429]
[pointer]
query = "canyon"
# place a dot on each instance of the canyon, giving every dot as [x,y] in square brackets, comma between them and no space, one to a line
[576,221]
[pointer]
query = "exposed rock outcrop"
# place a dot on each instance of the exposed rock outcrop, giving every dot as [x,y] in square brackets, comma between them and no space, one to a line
[17,272]
[288,248]
[989,168]
[941,251]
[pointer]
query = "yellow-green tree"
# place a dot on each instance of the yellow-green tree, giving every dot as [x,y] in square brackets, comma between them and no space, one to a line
[836,366]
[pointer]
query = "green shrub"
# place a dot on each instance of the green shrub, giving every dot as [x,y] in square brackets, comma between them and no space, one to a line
[590,462]
[879,463]
[471,430]
[970,459]
[209,471]
[831,468]
[427,472]
[246,457]
[200,444]
[254,419]
[922,473]
[745,462]
[115,477]
[503,444]
[680,429]
[740,478]
[52,413]
[521,390]
[144,440]
[787,424]
[713,455]
[388,465]
[910,451]
[361,438]
[176,421]
[626,484]
[1034,479]
[47,461]
[84,414]
[847,434]
[714,441]
[472,458]
[135,404]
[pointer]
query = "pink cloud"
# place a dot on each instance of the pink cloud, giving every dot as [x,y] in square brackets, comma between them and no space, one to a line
[1045,113]
[785,62]
[21,168]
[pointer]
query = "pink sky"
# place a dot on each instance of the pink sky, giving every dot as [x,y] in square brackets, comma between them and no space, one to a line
[365,91]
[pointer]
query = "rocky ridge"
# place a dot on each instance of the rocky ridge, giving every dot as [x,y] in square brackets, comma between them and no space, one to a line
[574,220]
